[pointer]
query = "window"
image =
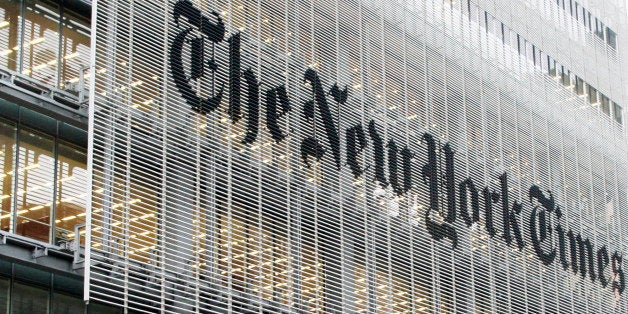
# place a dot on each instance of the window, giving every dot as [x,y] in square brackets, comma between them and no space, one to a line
[584,17]
[5,286]
[65,304]
[9,35]
[605,106]
[521,45]
[572,8]
[8,134]
[504,32]
[513,39]
[611,38]
[46,43]
[579,86]
[258,257]
[29,299]
[35,185]
[529,52]
[537,57]
[617,113]
[40,47]
[75,50]
[599,28]
[592,92]
[44,177]
[544,63]
[551,66]
[565,76]
[71,192]
[473,12]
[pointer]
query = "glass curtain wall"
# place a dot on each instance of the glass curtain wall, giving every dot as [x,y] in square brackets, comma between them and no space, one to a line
[44,41]
[43,184]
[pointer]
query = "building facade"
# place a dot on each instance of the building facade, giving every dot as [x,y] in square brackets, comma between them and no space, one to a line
[288,156]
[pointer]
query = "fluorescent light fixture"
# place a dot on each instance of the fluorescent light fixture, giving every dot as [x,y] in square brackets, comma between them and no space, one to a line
[37,41]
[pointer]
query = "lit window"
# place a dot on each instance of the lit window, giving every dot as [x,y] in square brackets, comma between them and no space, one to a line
[565,76]
[605,104]
[579,86]
[551,66]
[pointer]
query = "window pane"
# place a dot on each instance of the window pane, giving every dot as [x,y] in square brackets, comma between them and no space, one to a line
[64,304]
[611,38]
[565,76]
[617,113]
[41,43]
[579,86]
[29,299]
[5,284]
[606,106]
[75,50]
[592,95]
[97,308]
[35,185]
[71,190]
[552,66]
[9,34]
[7,162]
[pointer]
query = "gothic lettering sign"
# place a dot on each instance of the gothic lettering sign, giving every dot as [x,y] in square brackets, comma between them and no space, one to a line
[540,216]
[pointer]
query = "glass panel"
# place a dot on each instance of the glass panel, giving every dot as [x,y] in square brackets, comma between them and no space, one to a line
[29,299]
[260,259]
[617,113]
[606,105]
[599,28]
[71,191]
[35,185]
[64,304]
[97,308]
[611,38]
[565,76]
[41,43]
[9,34]
[592,92]
[8,133]
[75,50]
[5,284]
[552,66]
[579,86]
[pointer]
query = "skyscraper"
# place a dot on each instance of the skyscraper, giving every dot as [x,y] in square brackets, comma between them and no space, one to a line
[319,156]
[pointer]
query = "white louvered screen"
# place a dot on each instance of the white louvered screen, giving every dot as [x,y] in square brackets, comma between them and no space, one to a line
[284,156]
